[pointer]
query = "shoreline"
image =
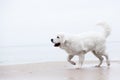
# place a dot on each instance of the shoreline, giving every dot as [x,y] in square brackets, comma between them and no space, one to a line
[85,62]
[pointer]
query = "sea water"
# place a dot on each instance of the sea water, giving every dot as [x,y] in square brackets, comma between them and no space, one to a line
[46,53]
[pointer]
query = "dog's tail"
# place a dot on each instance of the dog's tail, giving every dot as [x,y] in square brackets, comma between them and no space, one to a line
[107,29]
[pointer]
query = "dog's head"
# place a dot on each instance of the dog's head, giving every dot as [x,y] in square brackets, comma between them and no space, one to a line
[58,40]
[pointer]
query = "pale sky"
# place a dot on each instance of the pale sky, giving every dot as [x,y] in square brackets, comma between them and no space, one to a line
[32,22]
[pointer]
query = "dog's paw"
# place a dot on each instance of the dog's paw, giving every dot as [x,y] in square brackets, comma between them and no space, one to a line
[97,65]
[77,67]
[108,64]
[73,63]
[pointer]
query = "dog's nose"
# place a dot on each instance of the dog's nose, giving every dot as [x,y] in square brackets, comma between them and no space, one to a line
[51,40]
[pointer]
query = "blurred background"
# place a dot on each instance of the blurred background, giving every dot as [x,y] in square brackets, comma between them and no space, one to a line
[26,27]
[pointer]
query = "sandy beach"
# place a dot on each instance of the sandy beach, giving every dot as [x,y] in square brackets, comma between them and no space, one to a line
[59,71]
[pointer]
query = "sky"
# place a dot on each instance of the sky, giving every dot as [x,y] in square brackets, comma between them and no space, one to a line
[35,22]
[29,22]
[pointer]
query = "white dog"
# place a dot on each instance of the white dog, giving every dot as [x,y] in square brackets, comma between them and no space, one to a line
[83,43]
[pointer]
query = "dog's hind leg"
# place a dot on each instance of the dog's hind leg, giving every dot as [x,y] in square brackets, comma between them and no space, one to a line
[107,59]
[69,59]
[99,57]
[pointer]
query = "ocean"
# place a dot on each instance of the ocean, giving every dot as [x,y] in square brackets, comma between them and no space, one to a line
[46,53]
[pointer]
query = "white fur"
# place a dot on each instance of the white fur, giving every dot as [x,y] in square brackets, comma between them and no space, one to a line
[83,43]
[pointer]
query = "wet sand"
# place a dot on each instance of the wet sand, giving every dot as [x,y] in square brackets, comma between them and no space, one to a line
[59,71]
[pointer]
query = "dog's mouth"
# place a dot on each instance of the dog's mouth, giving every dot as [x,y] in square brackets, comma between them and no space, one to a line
[57,44]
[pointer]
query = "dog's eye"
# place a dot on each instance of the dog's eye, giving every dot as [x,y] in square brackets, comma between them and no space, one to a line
[58,37]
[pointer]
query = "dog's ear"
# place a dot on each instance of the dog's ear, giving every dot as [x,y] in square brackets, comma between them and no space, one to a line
[64,39]
[67,43]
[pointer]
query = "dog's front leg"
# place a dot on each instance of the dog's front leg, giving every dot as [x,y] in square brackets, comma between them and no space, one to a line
[69,59]
[81,59]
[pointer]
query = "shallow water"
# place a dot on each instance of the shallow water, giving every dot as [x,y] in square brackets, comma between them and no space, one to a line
[46,53]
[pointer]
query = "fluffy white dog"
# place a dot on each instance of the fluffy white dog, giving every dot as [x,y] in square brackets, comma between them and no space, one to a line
[85,42]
